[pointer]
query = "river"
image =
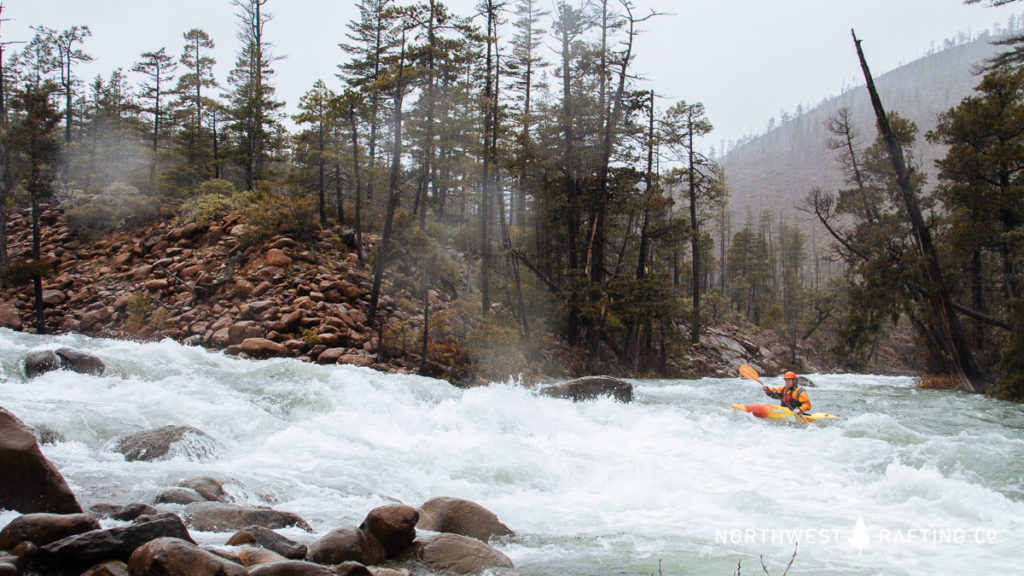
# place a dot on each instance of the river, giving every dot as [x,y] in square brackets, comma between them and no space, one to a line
[907,482]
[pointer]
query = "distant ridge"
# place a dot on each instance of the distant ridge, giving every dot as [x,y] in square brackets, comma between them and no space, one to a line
[774,171]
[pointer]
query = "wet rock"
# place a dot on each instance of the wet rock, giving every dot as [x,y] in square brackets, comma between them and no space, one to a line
[39,363]
[291,568]
[250,556]
[209,488]
[393,525]
[267,538]
[459,516]
[347,544]
[179,496]
[173,557]
[364,360]
[42,528]
[590,388]
[166,442]
[218,517]
[80,362]
[455,554]
[81,551]
[28,481]
[109,568]
[353,569]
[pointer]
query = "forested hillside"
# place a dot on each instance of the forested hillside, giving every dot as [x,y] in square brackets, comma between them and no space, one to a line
[775,171]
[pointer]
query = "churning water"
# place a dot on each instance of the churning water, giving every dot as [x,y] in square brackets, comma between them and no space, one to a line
[907,482]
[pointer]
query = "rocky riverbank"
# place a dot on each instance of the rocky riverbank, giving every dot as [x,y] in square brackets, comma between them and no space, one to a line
[285,297]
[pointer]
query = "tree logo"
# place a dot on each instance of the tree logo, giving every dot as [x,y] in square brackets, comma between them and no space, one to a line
[860,537]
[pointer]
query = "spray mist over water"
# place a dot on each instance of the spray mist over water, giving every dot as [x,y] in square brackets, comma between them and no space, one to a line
[908,482]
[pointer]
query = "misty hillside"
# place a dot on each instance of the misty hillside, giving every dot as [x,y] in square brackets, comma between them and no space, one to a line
[775,170]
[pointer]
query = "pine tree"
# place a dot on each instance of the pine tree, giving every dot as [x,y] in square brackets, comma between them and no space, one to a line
[158,69]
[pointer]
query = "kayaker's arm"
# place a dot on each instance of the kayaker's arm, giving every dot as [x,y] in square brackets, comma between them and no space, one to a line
[773,392]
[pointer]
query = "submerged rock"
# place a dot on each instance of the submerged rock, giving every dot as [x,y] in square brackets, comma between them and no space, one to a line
[590,388]
[42,528]
[219,517]
[166,442]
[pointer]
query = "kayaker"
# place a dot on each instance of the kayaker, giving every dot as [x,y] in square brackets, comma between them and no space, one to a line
[793,395]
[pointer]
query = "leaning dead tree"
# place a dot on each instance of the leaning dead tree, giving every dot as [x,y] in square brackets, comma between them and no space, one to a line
[955,342]
[204,291]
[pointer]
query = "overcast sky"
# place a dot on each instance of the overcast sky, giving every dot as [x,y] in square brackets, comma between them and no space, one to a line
[746,60]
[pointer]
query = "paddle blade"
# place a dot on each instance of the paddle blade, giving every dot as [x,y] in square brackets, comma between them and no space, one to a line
[748,371]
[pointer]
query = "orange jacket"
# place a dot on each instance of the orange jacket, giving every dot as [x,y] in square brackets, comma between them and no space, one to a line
[792,397]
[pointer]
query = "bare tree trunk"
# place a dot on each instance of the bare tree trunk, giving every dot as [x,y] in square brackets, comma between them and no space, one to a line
[967,370]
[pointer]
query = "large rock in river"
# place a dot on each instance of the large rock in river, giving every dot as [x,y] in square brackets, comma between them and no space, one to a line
[41,528]
[591,387]
[28,481]
[219,517]
[452,553]
[166,442]
[459,516]
[347,544]
[394,526]
[173,557]
[79,552]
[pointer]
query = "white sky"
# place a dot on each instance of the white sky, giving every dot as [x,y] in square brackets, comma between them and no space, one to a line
[746,60]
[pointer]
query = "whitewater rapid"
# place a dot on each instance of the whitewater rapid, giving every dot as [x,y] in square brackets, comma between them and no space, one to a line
[907,482]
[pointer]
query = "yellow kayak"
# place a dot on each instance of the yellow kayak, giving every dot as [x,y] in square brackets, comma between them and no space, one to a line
[776,412]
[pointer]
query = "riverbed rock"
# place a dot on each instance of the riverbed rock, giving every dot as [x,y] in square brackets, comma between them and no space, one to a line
[456,554]
[9,317]
[394,525]
[345,544]
[41,362]
[174,557]
[79,552]
[291,568]
[183,496]
[28,481]
[109,568]
[80,362]
[267,538]
[209,488]
[250,556]
[42,528]
[166,442]
[219,517]
[590,388]
[459,516]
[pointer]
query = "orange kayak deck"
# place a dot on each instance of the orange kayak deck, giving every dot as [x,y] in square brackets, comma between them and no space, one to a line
[776,412]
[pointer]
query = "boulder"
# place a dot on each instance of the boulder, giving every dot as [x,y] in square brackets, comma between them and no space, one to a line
[458,516]
[76,553]
[71,359]
[179,496]
[330,355]
[455,554]
[9,317]
[590,388]
[291,568]
[173,557]
[393,525]
[28,481]
[267,538]
[276,257]
[240,331]
[219,517]
[352,569]
[263,348]
[109,568]
[39,363]
[209,488]
[250,556]
[347,544]
[364,360]
[41,528]
[53,297]
[166,442]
